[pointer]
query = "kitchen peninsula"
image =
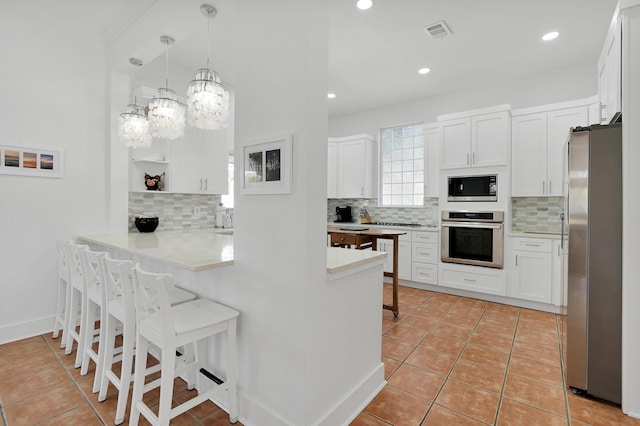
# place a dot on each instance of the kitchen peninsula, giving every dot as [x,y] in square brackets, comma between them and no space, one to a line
[350,298]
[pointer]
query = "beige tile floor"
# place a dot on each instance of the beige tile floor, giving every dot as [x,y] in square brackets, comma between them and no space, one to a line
[448,361]
[457,361]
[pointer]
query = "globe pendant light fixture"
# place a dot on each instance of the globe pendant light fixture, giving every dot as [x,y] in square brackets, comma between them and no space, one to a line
[133,127]
[208,104]
[166,112]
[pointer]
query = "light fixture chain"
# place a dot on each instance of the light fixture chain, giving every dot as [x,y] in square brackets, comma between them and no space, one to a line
[208,37]
[166,77]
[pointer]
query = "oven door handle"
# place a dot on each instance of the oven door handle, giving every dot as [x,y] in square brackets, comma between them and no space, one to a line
[472,225]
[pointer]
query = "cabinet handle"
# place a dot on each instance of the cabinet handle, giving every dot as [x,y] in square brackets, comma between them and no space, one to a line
[206,184]
[469,280]
[362,190]
[532,244]
[467,159]
[543,187]
[200,184]
[474,158]
[558,251]
[516,260]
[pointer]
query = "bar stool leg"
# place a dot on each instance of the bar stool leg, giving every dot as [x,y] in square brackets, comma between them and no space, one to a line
[109,343]
[138,381]
[74,306]
[166,384]
[231,370]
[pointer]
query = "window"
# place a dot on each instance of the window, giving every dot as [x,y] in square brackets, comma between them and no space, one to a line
[402,166]
[227,200]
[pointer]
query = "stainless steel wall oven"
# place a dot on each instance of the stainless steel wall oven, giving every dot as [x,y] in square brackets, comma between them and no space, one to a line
[473,238]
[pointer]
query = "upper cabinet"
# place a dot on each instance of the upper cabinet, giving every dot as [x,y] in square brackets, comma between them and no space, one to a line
[432,141]
[352,167]
[539,138]
[610,73]
[199,162]
[475,138]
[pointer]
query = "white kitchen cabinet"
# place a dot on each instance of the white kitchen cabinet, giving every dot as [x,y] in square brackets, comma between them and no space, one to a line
[432,141]
[404,255]
[354,166]
[478,140]
[332,170]
[424,257]
[610,74]
[200,162]
[532,270]
[560,274]
[538,149]
[473,278]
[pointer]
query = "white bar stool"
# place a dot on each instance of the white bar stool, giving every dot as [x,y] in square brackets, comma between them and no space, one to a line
[169,327]
[91,303]
[119,305]
[74,299]
[62,310]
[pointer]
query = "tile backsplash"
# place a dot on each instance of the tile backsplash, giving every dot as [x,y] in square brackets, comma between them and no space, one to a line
[536,214]
[426,215]
[176,211]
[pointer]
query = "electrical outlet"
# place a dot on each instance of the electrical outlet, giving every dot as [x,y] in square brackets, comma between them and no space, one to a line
[197,211]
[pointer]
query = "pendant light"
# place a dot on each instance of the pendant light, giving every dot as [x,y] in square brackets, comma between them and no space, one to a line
[208,104]
[133,127]
[166,112]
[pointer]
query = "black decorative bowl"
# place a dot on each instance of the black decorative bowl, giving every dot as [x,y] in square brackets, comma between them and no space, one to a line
[147,224]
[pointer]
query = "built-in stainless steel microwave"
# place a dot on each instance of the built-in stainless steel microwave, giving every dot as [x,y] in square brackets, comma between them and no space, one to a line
[473,188]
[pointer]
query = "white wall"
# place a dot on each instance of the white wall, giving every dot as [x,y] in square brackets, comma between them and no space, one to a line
[561,85]
[630,208]
[53,90]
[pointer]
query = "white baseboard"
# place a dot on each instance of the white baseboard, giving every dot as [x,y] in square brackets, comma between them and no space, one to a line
[24,330]
[353,403]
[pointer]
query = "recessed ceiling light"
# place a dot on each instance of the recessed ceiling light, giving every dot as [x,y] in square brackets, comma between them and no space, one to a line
[331,95]
[550,36]
[424,70]
[364,4]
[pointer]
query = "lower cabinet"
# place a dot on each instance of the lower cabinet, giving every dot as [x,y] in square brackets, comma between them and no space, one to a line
[473,278]
[532,277]
[424,257]
[559,258]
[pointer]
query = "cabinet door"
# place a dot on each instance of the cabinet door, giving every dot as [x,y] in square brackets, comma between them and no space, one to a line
[432,141]
[603,92]
[186,164]
[557,275]
[404,260]
[532,276]
[352,169]
[490,136]
[215,162]
[614,76]
[386,246]
[558,125]
[529,155]
[332,170]
[456,144]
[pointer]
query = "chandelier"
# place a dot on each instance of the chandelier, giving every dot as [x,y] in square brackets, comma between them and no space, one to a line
[133,128]
[166,112]
[208,104]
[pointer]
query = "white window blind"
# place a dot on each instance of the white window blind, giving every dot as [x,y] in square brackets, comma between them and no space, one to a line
[402,166]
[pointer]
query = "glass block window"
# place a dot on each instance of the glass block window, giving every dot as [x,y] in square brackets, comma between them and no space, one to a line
[402,166]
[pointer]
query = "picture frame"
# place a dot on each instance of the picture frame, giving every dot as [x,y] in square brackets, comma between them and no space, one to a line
[30,161]
[267,165]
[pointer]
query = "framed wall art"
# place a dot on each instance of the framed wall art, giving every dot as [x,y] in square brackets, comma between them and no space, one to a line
[267,164]
[27,161]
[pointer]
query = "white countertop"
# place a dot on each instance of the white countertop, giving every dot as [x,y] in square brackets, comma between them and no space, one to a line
[428,228]
[341,259]
[192,249]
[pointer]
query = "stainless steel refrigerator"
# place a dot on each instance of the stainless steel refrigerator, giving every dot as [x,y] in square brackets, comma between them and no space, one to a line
[594,320]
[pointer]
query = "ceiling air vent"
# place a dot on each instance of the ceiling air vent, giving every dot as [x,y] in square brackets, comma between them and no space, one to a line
[437,30]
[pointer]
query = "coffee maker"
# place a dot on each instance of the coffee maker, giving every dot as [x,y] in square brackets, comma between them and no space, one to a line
[343,214]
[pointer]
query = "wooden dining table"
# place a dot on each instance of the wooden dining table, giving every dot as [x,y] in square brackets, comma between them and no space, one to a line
[361,238]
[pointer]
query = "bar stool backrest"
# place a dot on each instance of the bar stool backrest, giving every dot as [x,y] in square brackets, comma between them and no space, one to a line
[116,278]
[89,261]
[75,263]
[63,260]
[152,300]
